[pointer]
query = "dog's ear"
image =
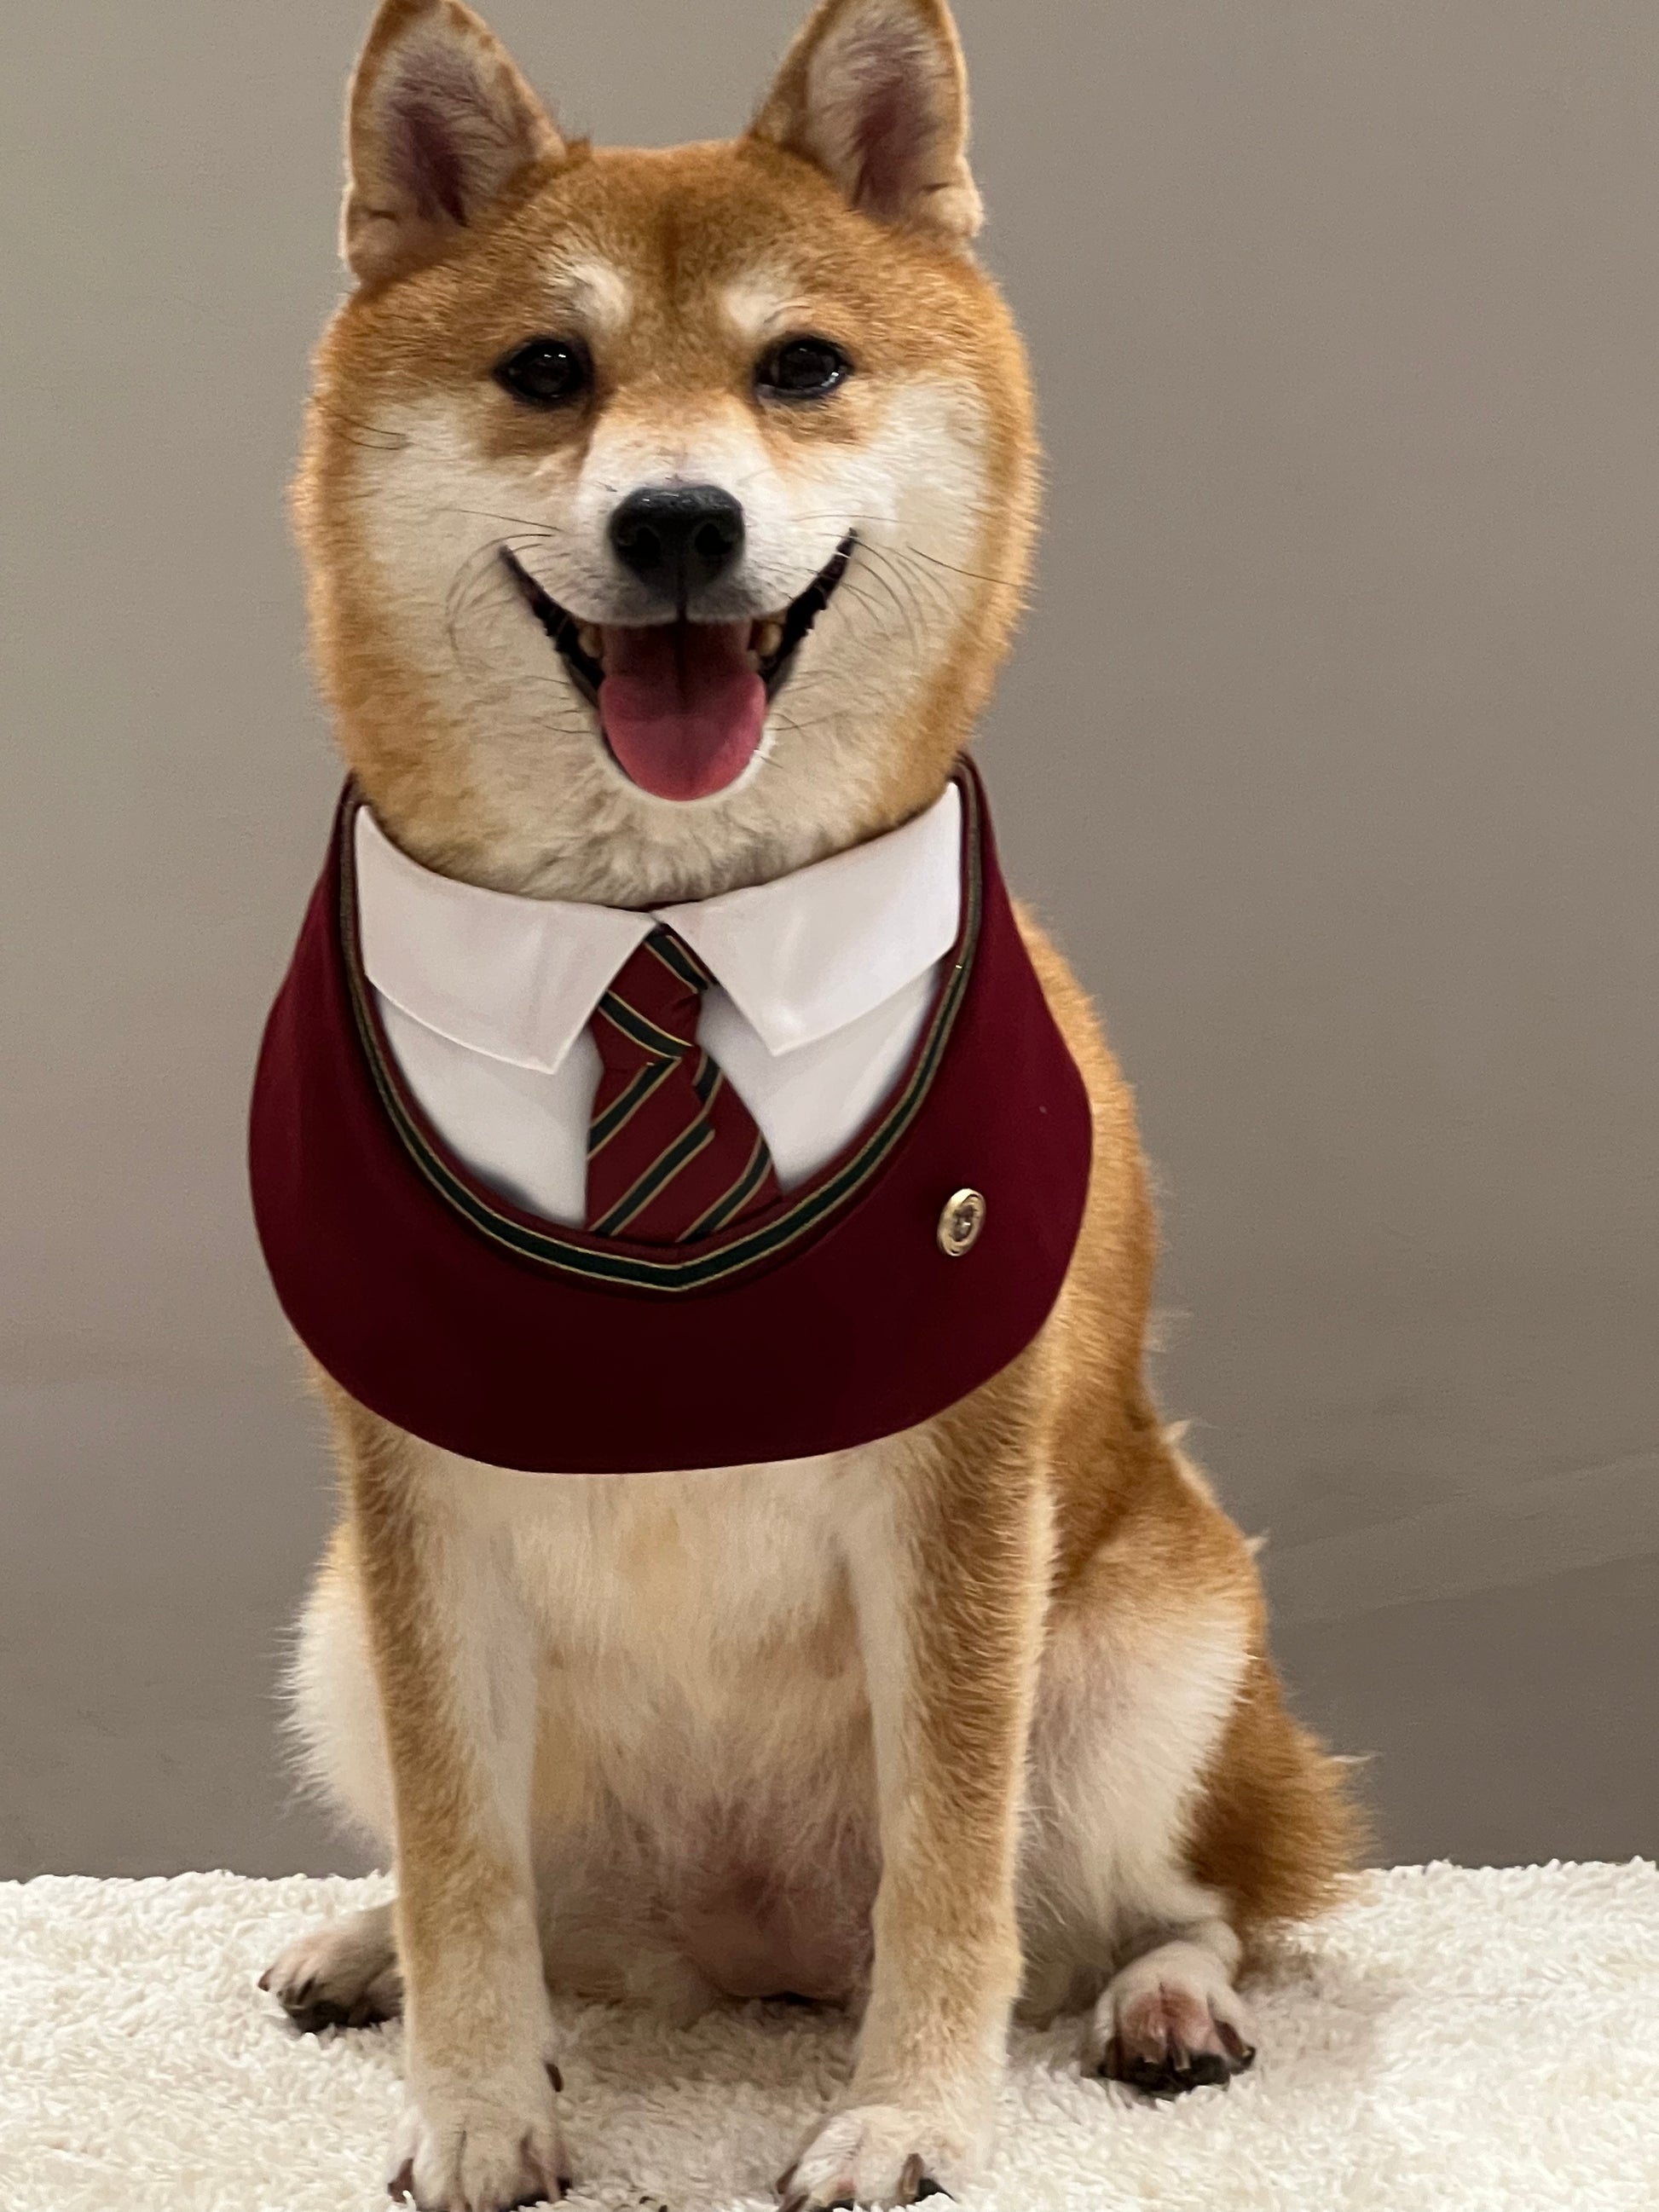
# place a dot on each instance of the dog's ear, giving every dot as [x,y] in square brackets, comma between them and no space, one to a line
[440,123]
[874,92]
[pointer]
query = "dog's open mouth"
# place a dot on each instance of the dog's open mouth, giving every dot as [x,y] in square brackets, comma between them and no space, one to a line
[683,704]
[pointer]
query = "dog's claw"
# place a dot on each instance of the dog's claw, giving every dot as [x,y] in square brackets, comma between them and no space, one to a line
[1176,2073]
[915,2183]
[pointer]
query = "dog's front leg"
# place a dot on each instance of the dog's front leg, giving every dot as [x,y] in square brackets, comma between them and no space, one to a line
[947,1544]
[455,1662]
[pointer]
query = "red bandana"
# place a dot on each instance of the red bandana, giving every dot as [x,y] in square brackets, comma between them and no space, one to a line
[916,1266]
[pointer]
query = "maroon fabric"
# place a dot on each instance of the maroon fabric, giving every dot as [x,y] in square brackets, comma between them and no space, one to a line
[672,1152]
[861,1329]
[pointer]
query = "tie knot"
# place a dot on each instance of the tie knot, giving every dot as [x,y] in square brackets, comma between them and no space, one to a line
[651,1006]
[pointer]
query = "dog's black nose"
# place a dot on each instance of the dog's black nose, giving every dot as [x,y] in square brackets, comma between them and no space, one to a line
[678,538]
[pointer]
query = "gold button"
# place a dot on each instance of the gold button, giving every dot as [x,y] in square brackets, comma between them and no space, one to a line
[960,1223]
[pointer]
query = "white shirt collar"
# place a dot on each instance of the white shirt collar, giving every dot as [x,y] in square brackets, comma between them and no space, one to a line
[518,979]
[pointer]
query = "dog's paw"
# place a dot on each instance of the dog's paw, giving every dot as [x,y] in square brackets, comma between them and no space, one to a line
[343,1974]
[484,2151]
[877,2154]
[1171,2021]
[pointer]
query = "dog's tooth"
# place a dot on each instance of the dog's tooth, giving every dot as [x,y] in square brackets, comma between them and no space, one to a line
[592,641]
[769,636]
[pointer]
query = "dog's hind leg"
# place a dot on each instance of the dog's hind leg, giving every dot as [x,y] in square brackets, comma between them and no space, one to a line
[343,1974]
[1171,2019]
[1176,1807]
[1272,1831]
[1131,1713]
[334,1719]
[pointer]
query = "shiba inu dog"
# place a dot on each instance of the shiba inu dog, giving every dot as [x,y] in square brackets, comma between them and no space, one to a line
[667,516]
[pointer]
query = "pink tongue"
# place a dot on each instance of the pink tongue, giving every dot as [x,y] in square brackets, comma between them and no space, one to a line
[681,708]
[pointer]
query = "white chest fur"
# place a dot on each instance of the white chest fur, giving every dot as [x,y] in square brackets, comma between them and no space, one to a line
[704,1686]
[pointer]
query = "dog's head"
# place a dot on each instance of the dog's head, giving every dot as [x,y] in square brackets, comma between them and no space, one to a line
[667,512]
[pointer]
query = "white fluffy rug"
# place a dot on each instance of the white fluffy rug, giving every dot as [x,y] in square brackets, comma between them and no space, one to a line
[1451,2042]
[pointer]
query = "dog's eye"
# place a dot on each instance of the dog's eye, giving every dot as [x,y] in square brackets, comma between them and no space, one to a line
[545,371]
[802,368]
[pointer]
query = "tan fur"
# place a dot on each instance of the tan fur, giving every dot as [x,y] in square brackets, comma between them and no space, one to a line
[982,1706]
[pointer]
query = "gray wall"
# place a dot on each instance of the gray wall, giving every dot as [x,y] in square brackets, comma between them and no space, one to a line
[1329,750]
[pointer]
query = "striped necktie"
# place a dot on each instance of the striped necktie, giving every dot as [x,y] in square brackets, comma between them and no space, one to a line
[672,1152]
